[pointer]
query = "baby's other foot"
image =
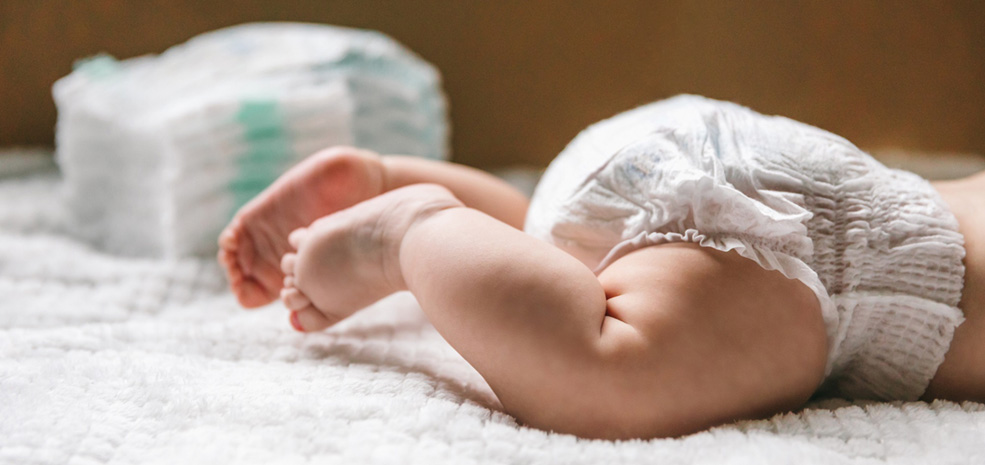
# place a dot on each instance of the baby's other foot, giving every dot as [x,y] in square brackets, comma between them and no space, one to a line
[252,244]
[350,259]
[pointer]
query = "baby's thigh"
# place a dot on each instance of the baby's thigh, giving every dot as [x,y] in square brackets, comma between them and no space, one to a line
[725,339]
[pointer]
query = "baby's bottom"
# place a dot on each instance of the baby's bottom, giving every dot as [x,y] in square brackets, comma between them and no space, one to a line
[666,341]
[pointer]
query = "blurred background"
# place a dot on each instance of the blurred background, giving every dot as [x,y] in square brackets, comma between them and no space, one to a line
[524,77]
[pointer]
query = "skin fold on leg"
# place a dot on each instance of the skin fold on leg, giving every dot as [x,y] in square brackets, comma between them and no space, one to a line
[668,340]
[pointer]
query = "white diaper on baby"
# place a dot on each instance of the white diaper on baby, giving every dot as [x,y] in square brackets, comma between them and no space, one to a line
[157,152]
[879,247]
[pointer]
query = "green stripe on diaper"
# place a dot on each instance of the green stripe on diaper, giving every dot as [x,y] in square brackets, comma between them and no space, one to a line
[366,130]
[97,66]
[268,147]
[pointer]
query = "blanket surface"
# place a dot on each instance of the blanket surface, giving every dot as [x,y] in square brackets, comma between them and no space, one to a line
[112,360]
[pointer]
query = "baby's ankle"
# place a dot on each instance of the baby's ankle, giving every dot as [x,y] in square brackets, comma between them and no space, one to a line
[429,202]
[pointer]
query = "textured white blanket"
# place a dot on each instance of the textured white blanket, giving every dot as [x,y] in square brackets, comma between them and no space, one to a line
[111,360]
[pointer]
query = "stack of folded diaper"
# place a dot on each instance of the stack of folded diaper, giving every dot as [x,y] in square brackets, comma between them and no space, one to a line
[158,152]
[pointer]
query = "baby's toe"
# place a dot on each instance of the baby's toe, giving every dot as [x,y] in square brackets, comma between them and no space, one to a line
[228,239]
[297,237]
[287,263]
[310,319]
[234,276]
[294,299]
[227,259]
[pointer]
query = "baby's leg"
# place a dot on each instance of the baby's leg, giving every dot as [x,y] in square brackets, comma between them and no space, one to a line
[643,350]
[256,239]
[961,377]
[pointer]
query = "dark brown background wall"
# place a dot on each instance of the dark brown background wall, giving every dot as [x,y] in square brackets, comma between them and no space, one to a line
[523,77]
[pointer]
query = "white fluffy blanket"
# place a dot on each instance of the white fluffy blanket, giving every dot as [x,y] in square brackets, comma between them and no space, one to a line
[112,360]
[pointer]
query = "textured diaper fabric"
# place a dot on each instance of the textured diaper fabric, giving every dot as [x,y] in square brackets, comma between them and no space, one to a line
[159,151]
[878,247]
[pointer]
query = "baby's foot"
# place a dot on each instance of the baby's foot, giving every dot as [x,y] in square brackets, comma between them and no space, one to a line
[254,241]
[350,259]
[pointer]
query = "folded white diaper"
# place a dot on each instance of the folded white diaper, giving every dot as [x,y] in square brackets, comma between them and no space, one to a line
[158,152]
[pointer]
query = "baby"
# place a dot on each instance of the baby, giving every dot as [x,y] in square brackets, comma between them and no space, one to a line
[682,265]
